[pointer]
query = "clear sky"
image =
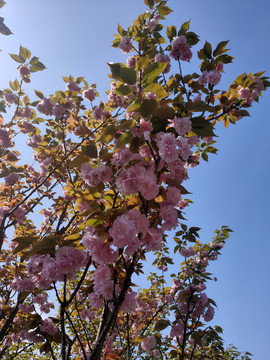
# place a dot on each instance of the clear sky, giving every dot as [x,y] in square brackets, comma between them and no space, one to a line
[74,37]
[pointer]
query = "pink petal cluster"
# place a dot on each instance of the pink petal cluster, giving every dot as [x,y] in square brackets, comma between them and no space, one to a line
[148,344]
[163,59]
[184,148]
[11,179]
[90,94]
[168,213]
[59,110]
[187,252]
[95,301]
[27,127]
[182,125]
[24,71]
[138,179]
[10,98]
[131,62]
[125,45]
[152,24]
[129,304]
[212,77]
[123,156]
[48,327]
[152,239]
[94,176]
[180,49]
[100,251]
[5,140]
[46,106]
[167,145]
[73,86]
[103,282]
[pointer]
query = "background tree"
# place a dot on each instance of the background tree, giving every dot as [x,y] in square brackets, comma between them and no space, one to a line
[119,166]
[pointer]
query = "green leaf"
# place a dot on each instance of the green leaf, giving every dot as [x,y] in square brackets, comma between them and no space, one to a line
[171,32]
[2,3]
[207,49]
[23,243]
[24,53]
[124,90]
[123,73]
[152,71]
[192,38]
[201,54]
[39,94]
[3,28]
[225,59]
[199,106]
[149,3]
[135,106]
[163,9]
[17,58]
[148,107]
[184,27]
[158,90]
[202,127]
[124,139]
[126,124]
[90,149]
[221,48]
[142,62]
[162,324]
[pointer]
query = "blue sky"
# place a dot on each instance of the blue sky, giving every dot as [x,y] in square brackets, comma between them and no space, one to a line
[233,188]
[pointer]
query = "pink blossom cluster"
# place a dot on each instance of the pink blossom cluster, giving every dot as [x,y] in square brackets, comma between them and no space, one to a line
[131,62]
[148,344]
[10,98]
[137,178]
[167,145]
[26,127]
[46,106]
[11,179]
[31,336]
[129,304]
[94,176]
[125,45]
[90,94]
[99,250]
[44,269]
[48,327]
[73,86]
[182,125]
[5,140]
[123,156]
[180,49]
[249,95]
[164,59]
[212,77]
[24,72]
[125,230]
[103,283]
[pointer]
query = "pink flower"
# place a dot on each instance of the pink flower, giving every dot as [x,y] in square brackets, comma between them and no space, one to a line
[123,231]
[34,141]
[19,214]
[148,344]
[95,301]
[169,215]
[27,127]
[72,86]
[129,304]
[94,176]
[167,144]
[213,77]
[182,125]
[103,282]
[180,49]
[152,24]
[5,140]
[208,316]
[100,251]
[138,179]
[48,327]
[125,45]
[198,98]
[123,156]
[24,71]
[184,148]
[173,196]
[90,94]
[152,240]
[187,252]
[59,110]
[243,93]
[219,67]
[46,106]
[131,62]
[10,98]
[11,179]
